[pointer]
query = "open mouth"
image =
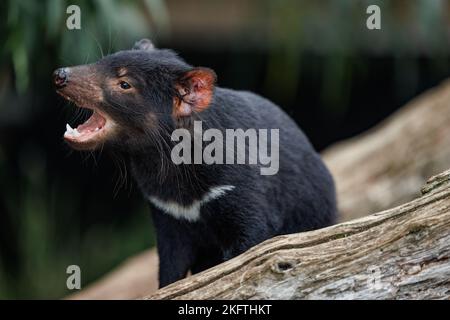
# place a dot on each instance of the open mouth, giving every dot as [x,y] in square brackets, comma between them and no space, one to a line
[88,131]
[79,86]
[94,131]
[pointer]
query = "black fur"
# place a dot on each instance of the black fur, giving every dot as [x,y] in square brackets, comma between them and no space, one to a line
[299,197]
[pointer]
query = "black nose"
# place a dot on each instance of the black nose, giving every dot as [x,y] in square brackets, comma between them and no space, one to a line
[60,77]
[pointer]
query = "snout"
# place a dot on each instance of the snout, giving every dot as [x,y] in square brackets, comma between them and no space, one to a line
[60,77]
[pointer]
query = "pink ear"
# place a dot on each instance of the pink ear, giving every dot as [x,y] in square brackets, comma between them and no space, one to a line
[196,89]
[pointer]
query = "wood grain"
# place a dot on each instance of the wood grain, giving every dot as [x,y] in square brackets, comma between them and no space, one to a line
[401,253]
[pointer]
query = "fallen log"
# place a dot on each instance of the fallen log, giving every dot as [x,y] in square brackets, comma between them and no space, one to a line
[401,253]
[387,165]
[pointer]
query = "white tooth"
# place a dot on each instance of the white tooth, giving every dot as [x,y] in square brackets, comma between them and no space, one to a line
[76,133]
[68,128]
[96,129]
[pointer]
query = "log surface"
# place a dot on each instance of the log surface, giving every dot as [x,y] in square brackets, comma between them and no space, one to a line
[387,165]
[401,253]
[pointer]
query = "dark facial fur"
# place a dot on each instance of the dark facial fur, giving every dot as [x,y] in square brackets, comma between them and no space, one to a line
[139,97]
[138,110]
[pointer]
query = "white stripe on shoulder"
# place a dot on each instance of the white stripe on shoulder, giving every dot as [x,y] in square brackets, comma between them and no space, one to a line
[191,212]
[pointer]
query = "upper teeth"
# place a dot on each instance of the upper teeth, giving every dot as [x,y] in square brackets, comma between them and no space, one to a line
[71,132]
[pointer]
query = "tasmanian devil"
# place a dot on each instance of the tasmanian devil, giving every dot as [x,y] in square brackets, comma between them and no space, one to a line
[204,213]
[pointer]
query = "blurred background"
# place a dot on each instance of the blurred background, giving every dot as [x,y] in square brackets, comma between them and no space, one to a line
[316,59]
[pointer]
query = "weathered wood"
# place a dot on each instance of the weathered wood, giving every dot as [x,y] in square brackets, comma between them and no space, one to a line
[387,166]
[401,253]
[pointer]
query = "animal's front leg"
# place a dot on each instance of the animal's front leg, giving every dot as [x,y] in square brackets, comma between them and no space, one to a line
[175,248]
[174,261]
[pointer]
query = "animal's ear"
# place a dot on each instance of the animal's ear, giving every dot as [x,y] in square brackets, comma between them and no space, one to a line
[144,44]
[195,90]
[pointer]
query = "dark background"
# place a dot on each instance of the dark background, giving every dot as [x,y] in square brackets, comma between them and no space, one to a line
[316,59]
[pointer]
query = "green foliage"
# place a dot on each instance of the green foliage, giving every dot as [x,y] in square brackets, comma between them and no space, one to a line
[31,28]
[42,207]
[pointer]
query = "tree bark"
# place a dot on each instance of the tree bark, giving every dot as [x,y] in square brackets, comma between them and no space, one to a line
[401,253]
[387,165]
[374,171]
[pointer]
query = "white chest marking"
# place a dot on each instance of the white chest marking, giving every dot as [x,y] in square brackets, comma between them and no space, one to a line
[191,212]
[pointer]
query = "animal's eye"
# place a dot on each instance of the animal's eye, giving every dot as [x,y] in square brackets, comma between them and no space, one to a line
[124,85]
